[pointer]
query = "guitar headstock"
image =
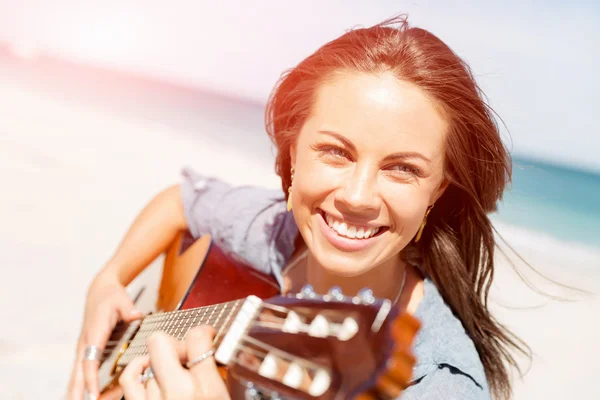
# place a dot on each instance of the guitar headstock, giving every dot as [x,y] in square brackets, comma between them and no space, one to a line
[310,346]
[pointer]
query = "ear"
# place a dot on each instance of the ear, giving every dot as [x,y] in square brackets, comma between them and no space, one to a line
[293,155]
[441,189]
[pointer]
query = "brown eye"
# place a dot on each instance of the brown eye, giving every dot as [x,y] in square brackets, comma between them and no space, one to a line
[406,169]
[336,151]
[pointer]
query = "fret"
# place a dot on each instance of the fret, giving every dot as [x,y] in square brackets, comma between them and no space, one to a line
[215,325]
[194,320]
[162,323]
[192,317]
[178,325]
[169,325]
[224,325]
[202,318]
[208,320]
[185,327]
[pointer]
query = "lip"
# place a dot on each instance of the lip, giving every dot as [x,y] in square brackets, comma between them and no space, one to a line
[342,243]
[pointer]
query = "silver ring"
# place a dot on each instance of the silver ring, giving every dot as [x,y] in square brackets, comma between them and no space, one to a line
[147,375]
[92,353]
[200,358]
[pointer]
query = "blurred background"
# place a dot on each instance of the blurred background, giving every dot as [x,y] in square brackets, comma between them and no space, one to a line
[102,104]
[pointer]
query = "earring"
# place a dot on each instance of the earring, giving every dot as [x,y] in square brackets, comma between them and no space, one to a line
[420,232]
[289,199]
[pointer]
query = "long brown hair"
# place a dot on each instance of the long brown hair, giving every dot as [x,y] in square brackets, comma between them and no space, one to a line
[457,247]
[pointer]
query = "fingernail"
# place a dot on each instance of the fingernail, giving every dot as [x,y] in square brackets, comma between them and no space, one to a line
[92,397]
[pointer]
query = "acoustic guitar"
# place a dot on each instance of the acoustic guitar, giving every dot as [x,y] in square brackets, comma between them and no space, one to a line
[294,346]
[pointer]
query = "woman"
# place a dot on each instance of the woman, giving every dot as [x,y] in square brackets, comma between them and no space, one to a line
[390,163]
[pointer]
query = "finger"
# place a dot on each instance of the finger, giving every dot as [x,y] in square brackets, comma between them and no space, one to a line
[96,334]
[198,341]
[152,390]
[165,357]
[129,380]
[126,309]
[75,391]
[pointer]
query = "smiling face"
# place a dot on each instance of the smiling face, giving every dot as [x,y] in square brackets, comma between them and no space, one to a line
[368,162]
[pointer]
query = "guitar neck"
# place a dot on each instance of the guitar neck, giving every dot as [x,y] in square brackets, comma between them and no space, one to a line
[178,323]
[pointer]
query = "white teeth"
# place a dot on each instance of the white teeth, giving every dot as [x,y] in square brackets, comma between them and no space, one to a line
[350,231]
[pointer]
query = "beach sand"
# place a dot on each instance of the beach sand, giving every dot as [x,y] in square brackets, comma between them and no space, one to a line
[75,175]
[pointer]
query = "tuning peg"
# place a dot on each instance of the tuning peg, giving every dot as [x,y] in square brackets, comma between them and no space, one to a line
[336,293]
[294,376]
[268,367]
[348,329]
[319,327]
[366,296]
[307,292]
[320,383]
[292,323]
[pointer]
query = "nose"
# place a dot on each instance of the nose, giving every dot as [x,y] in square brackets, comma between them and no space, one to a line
[360,192]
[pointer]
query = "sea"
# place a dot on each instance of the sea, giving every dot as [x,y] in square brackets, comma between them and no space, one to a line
[557,200]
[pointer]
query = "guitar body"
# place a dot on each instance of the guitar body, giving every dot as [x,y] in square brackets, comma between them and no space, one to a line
[199,273]
[196,273]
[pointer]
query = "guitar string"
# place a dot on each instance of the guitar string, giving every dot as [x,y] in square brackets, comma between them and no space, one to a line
[180,327]
[242,348]
[142,349]
[267,349]
[183,328]
[176,329]
[173,318]
[173,324]
[161,316]
[212,321]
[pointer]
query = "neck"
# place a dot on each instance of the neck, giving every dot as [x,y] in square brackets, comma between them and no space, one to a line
[384,280]
[178,323]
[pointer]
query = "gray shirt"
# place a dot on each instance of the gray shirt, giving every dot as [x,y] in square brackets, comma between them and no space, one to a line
[253,224]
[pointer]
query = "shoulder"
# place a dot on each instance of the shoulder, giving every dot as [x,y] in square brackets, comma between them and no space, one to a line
[448,364]
[248,221]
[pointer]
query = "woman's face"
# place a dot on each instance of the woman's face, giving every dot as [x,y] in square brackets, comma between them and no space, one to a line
[368,162]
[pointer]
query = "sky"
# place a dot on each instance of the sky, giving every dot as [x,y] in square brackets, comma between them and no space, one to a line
[536,61]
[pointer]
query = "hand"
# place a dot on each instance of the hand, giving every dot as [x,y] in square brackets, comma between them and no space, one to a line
[107,302]
[172,381]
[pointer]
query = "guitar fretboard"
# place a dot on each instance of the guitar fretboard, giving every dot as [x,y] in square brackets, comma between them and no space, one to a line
[178,323]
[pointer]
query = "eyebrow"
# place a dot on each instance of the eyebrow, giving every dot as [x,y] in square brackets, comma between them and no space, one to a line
[394,156]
